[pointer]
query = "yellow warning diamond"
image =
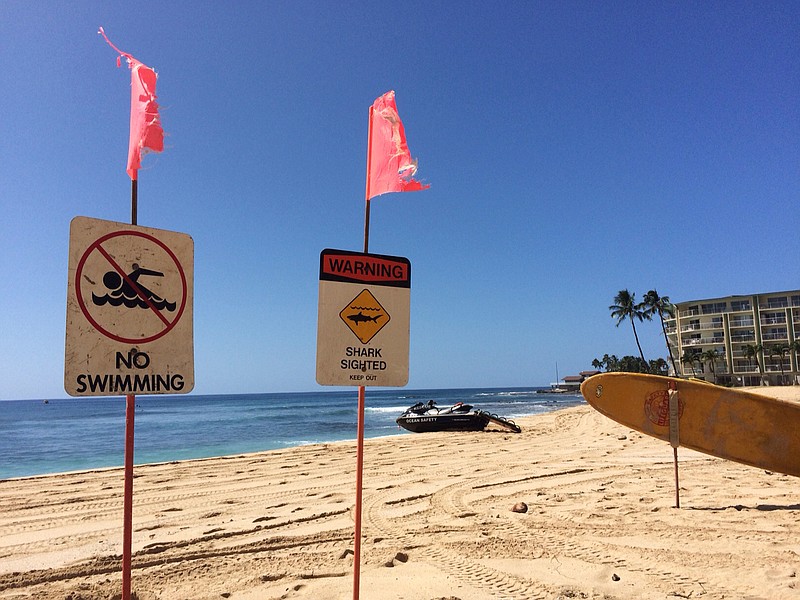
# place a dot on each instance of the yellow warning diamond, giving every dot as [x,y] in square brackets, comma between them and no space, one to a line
[365,316]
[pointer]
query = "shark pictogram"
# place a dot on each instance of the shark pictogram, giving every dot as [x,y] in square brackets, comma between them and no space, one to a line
[364,316]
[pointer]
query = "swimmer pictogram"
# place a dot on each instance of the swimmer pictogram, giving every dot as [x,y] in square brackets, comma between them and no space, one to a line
[128,290]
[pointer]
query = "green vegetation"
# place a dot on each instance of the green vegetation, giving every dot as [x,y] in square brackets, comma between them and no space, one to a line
[692,358]
[779,351]
[754,351]
[631,364]
[710,357]
[626,307]
[654,304]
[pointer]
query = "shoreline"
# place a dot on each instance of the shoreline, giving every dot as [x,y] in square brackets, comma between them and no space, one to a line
[786,393]
[75,436]
[187,461]
[437,522]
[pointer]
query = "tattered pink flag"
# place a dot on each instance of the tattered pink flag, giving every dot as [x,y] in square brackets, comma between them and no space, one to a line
[390,166]
[146,132]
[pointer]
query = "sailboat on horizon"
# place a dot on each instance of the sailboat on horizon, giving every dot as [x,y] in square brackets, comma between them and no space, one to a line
[555,388]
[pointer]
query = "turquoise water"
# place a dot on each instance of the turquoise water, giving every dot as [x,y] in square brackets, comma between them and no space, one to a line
[88,433]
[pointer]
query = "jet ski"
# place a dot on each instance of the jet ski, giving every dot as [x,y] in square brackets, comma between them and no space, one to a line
[426,416]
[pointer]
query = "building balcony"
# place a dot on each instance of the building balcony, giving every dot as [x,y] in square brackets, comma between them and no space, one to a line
[745,337]
[742,322]
[702,341]
[774,320]
[775,305]
[701,327]
[775,337]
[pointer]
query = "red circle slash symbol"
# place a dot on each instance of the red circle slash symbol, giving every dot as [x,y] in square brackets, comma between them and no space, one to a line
[136,296]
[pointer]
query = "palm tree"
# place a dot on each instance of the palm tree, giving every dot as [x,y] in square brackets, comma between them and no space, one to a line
[711,357]
[609,363]
[654,304]
[659,367]
[779,350]
[795,347]
[753,351]
[625,307]
[691,358]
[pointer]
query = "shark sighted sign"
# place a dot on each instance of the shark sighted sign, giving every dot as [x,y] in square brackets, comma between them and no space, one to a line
[363,319]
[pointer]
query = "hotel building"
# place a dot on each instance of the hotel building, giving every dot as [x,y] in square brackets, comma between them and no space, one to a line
[769,323]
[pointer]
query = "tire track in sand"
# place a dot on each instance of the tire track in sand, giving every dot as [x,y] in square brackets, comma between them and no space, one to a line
[446,504]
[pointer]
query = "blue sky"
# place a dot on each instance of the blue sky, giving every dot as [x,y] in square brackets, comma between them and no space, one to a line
[573,149]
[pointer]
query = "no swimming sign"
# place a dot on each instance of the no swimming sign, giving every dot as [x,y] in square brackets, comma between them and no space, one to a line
[129,310]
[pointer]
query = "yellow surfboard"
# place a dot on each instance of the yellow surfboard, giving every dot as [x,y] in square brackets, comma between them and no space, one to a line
[725,422]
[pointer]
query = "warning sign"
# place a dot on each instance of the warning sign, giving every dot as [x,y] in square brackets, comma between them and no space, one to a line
[129,310]
[369,319]
[363,321]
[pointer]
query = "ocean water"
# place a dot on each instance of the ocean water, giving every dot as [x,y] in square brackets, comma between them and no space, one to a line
[38,437]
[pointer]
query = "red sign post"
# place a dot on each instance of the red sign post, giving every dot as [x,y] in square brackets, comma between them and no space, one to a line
[129,325]
[369,314]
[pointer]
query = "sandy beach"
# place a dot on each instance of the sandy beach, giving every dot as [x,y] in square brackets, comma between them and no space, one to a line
[437,522]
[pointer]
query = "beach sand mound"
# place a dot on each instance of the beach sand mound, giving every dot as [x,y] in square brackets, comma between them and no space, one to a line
[437,523]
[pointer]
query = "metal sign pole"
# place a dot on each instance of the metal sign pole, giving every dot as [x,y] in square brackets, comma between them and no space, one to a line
[130,410]
[361,402]
[674,435]
[359,493]
[130,416]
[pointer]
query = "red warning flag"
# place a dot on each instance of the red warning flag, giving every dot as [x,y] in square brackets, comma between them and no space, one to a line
[390,167]
[146,133]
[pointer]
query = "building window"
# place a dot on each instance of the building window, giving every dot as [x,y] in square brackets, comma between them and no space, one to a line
[739,305]
[775,333]
[742,322]
[713,308]
[775,318]
[777,302]
[743,336]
